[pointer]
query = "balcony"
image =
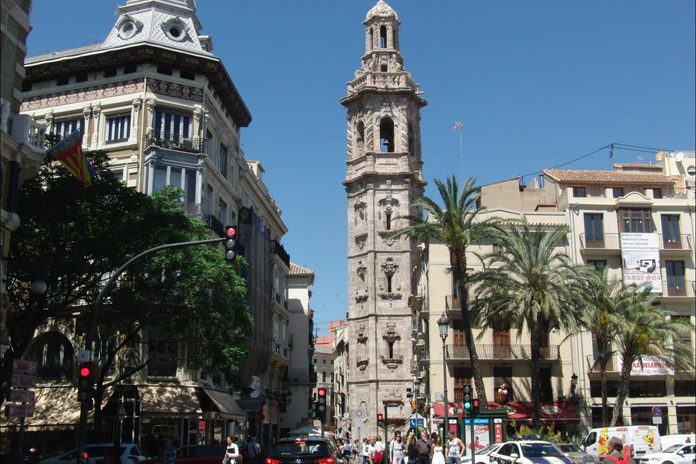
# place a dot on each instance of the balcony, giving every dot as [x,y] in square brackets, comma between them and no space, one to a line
[503,352]
[279,250]
[392,80]
[611,243]
[176,142]
[678,289]
[30,133]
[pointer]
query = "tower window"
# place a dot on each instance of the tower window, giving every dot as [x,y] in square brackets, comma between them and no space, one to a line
[411,140]
[388,215]
[383,67]
[383,37]
[372,39]
[361,138]
[389,282]
[386,134]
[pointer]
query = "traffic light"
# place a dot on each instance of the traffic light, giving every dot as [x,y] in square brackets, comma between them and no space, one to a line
[467,398]
[320,405]
[230,241]
[85,373]
[380,420]
[475,407]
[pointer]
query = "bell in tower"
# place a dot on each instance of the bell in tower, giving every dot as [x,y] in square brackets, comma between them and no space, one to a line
[383,180]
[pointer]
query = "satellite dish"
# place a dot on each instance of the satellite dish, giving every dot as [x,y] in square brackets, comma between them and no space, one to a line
[679,157]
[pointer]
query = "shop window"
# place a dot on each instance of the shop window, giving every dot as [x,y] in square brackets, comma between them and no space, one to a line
[686,419]
[685,388]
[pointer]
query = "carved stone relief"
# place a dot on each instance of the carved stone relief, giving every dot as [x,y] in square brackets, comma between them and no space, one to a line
[171,89]
[96,92]
[361,270]
[360,240]
[360,208]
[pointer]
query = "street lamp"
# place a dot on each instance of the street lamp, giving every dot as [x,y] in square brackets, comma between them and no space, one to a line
[443,325]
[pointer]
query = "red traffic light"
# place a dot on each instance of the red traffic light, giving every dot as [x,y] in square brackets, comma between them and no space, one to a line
[321,392]
[380,417]
[230,231]
[476,403]
[84,371]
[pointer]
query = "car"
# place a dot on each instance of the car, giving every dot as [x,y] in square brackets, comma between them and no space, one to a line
[482,456]
[196,454]
[675,454]
[98,453]
[305,450]
[576,454]
[529,452]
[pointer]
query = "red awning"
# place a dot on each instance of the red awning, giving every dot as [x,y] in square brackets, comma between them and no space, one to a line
[548,412]
[455,410]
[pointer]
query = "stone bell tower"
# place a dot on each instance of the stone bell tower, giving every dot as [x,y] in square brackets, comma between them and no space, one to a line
[383,179]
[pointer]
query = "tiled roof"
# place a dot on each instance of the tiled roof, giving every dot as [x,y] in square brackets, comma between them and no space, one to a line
[651,167]
[606,177]
[296,269]
[63,53]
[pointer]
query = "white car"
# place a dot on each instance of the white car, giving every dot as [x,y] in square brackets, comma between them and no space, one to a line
[529,452]
[675,454]
[130,454]
[482,456]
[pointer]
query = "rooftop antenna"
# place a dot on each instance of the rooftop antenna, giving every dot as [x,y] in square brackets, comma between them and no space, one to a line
[458,126]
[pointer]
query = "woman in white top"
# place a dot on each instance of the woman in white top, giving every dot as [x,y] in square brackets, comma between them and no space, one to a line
[438,457]
[231,452]
[396,450]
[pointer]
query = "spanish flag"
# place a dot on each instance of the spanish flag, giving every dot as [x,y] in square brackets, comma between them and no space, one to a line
[69,152]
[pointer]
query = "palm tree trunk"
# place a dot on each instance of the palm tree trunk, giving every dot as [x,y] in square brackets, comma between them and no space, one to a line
[603,361]
[470,346]
[624,380]
[536,361]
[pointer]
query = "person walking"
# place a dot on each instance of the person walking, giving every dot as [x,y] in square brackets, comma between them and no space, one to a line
[168,452]
[231,451]
[396,450]
[438,455]
[253,450]
[617,455]
[377,450]
[366,451]
[347,450]
[411,449]
[423,447]
[455,448]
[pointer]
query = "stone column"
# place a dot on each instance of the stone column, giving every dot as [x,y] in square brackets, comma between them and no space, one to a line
[135,119]
[86,133]
[96,119]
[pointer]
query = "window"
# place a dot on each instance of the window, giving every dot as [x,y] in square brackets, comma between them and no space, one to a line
[66,127]
[383,37]
[130,68]
[647,388]
[171,126]
[323,361]
[110,72]
[503,375]
[164,357]
[657,193]
[635,220]
[386,134]
[162,69]
[361,138]
[411,140]
[323,377]
[675,278]
[222,211]
[670,231]
[53,355]
[598,264]
[119,174]
[579,192]
[65,80]
[118,128]
[545,389]
[187,75]
[222,160]
[82,77]
[315,360]
[594,230]
[501,341]
[617,192]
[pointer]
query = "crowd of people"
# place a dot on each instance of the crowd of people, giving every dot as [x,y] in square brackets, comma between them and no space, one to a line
[425,449]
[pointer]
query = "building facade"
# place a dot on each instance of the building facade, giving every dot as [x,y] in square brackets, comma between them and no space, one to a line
[384,177]
[156,99]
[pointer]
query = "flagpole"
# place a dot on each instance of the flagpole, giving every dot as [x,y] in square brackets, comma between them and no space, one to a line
[458,126]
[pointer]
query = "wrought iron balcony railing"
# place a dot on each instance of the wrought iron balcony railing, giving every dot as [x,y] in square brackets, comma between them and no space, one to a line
[176,142]
[502,352]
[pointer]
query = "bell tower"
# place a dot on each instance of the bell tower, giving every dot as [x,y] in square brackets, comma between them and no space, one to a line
[383,179]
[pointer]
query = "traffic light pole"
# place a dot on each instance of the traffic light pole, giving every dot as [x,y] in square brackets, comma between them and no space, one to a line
[89,337]
[473,438]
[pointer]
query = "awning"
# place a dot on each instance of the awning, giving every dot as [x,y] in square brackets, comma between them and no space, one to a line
[169,399]
[56,407]
[548,412]
[454,410]
[226,404]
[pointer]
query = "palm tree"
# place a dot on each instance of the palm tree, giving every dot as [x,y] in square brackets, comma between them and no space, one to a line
[531,284]
[457,225]
[606,301]
[646,330]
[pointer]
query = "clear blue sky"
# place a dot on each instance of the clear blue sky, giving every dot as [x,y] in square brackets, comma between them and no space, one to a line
[535,84]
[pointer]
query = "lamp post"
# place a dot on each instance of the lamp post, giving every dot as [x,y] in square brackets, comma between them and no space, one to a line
[443,325]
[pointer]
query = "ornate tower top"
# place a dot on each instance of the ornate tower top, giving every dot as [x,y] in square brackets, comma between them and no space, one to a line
[383,10]
[172,23]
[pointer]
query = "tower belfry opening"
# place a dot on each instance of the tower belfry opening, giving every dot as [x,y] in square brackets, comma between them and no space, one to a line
[383,179]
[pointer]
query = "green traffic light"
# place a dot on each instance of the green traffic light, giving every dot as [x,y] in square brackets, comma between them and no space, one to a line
[467,405]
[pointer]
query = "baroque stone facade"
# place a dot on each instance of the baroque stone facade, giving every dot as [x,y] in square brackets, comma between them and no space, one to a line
[384,177]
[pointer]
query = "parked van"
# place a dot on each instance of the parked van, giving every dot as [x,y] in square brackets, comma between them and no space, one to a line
[678,439]
[641,439]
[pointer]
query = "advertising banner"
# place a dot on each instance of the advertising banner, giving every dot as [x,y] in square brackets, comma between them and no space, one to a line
[652,365]
[640,253]
[482,436]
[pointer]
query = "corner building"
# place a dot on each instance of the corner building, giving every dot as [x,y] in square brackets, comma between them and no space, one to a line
[383,178]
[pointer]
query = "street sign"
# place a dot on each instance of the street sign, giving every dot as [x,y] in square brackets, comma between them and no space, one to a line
[24,381]
[657,420]
[20,410]
[657,411]
[22,396]
[23,366]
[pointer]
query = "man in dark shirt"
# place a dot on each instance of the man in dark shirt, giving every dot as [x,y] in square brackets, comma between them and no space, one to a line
[423,447]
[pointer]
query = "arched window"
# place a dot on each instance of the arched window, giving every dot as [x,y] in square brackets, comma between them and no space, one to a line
[372,39]
[361,138]
[383,37]
[53,355]
[411,140]
[386,135]
[388,215]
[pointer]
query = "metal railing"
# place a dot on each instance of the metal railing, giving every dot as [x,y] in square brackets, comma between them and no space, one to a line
[176,142]
[685,288]
[503,352]
[613,241]
[676,242]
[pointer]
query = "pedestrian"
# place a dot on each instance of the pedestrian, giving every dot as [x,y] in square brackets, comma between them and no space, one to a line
[455,448]
[168,452]
[423,447]
[438,455]
[396,450]
[347,450]
[617,455]
[232,451]
[411,449]
[378,450]
[253,450]
[366,451]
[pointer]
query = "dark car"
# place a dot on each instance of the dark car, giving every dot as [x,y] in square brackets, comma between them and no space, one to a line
[305,450]
[197,454]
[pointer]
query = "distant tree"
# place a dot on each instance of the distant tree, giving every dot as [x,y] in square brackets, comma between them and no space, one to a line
[645,330]
[73,238]
[531,285]
[457,224]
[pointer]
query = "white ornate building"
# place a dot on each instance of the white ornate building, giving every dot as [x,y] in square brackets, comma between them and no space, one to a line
[383,179]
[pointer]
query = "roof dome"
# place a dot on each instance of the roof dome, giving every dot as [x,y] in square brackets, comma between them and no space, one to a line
[381,9]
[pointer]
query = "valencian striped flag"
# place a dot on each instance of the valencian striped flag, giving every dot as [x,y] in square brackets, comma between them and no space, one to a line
[69,152]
